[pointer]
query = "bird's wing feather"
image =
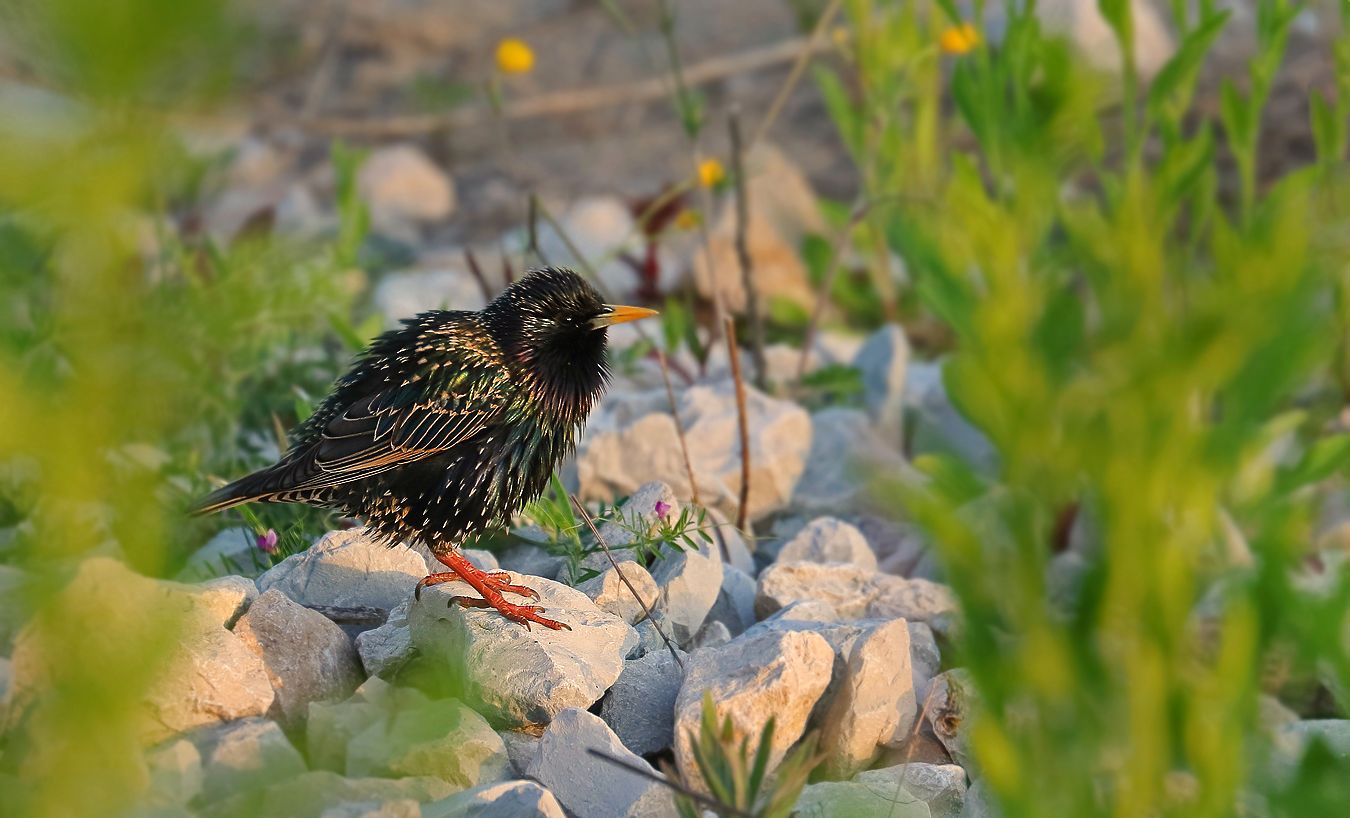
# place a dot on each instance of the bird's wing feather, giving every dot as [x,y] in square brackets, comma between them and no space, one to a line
[403,422]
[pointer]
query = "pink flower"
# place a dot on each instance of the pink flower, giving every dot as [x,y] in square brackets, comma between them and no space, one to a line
[268,542]
[661,508]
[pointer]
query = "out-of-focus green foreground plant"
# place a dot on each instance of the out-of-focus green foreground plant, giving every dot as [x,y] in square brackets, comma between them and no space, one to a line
[1149,356]
[111,368]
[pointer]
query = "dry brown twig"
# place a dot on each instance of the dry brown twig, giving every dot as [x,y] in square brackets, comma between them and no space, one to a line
[600,540]
[477,272]
[679,427]
[560,103]
[743,418]
[743,252]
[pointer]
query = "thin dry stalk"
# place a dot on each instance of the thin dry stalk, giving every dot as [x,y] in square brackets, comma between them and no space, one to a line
[600,540]
[814,44]
[743,417]
[533,228]
[472,261]
[566,240]
[668,781]
[322,78]
[743,252]
[560,103]
[679,427]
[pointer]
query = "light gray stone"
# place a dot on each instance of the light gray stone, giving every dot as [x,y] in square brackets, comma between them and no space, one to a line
[225,597]
[175,769]
[396,808]
[873,702]
[732,545]
[347,569]
[310,794]
[755,677]
[245,754]
[531,560]
[598,227]
[870,702]
[846,453]
[308,658]
[846,799]
[829,540]
[882,362]
[609,592]
[735,605]
[979,802]
[406,293]
[402,186]
[854,593]
[939,428]
[386,649]
[520,748]
[590,787]
[209,674]
[230,551]
[442,739]
[525,676]
[941,786]
[509,799]
[640,707]
[713,634]
[690,580]
[925,658]
[632,439]
[397,731]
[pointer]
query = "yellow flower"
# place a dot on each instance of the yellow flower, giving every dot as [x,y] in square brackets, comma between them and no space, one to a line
[710,172]
[839,36]
[959,39]
[688,219]
[514,56]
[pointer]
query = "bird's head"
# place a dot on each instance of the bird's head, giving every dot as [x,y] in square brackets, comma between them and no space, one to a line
[553,322]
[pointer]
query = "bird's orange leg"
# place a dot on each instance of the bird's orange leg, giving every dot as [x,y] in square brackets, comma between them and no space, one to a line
[491,585]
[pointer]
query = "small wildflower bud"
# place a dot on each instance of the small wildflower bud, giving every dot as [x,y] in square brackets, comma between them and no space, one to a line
[710,172]
[960,39]
[514,56]
[267,543]
[688,219]
[661,508]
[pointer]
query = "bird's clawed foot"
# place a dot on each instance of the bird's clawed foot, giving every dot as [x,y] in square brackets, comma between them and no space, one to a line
[491,585]
[524,614]
[499,581]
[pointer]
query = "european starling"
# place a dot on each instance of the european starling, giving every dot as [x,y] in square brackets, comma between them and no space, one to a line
[451,424]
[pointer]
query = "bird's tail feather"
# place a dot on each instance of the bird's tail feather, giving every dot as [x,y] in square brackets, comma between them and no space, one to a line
[248,489]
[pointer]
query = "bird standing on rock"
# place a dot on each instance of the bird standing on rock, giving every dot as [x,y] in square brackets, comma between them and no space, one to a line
[452,424]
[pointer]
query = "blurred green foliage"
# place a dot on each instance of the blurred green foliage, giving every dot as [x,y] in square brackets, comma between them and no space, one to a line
[1157,364]
[134,350]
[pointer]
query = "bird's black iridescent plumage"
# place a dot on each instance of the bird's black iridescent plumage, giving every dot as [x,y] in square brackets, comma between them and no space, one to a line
[452,423]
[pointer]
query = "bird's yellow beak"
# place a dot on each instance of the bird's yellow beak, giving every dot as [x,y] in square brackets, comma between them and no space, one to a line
[619,314]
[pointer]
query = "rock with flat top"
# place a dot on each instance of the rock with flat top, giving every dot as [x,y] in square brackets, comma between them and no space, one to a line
[612,595]
[854,592]
[386,649]
[846,799]
[525,676]
[347,568]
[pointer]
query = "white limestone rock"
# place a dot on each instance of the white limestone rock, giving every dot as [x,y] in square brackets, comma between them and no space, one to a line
[509,799]
[525,676]
[590,787]
[755,677]
[308,658]
[347,568]
[829,540]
